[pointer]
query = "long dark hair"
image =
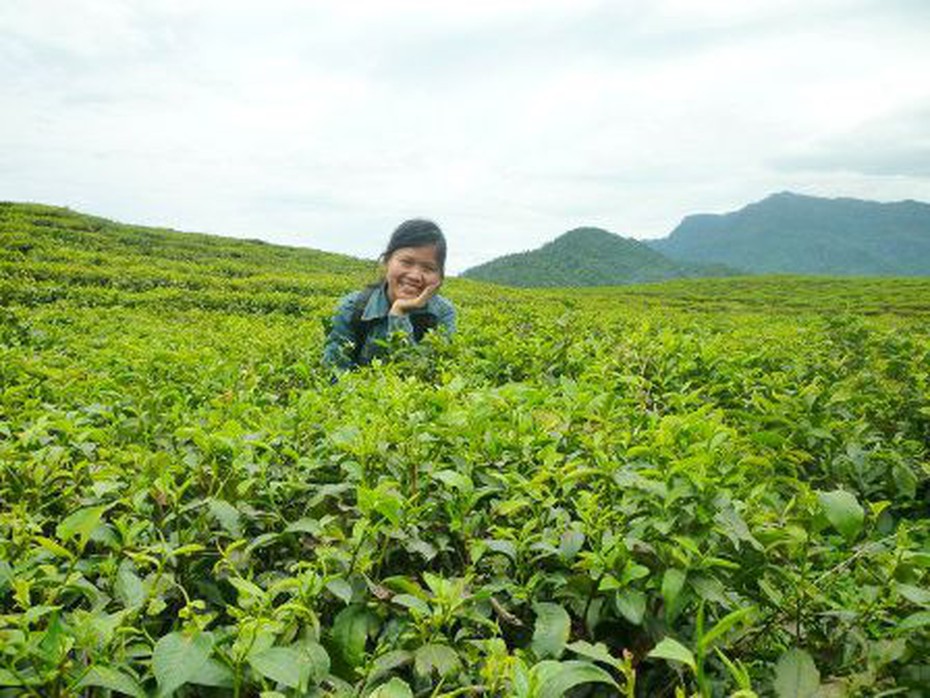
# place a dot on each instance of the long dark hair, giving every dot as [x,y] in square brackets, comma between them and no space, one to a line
[417,232]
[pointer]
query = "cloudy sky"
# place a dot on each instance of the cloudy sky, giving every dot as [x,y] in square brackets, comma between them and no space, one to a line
[324,124]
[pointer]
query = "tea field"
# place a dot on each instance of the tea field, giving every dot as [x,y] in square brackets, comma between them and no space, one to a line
[697,488]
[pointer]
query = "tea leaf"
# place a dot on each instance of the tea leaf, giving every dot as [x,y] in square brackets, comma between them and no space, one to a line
[112,679]
[128,587]
[914,621]
[843,511]
[440,658]
[350,633]
[81,524]
[227,515]
[722,626]
[395,688]
[669,648]
[597,652]
[178,659]
[796,676]
[632,605]
[555,678]
[284,665]
[551,631]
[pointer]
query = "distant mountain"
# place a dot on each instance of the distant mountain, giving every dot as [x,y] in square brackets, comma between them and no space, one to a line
[790,233]
[587,257]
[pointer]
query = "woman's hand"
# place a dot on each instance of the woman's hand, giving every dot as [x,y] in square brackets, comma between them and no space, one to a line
[402,306]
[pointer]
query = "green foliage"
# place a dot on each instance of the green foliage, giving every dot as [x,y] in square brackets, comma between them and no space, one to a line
[710,487]
[796,676]
[588,257]
[792,234]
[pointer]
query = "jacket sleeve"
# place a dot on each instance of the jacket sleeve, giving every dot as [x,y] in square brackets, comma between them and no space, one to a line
[445,318]
[340,342]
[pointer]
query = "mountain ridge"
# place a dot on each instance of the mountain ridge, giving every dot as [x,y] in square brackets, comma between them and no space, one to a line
[801,234]
[783,233]
[586,256]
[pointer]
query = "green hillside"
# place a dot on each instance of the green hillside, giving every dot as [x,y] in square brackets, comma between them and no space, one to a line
[696,487]
[790,233]
[74,250]
[586,257]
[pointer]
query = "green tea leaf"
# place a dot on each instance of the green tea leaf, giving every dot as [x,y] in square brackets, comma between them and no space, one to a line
[734,527]
[673,581]
[554,679]
[305,525]
[8,678]
[796,675]
[341,589]
[633,571]
[128,587]
[226,515]
[350,633]
[722,626]
[384,499]
[570,544]
[388,662]
[284,665]
[551,631]
[81,524]
[917,595]
[56,642]
[597,652]
[315,659]
[179,659]
[843,511]
[913,621]
[395,688]
[502,547]
[671,649]
[214,673]
[631,604]
[414,603]
[708,588]
[6,576]
[440,658]
[455,480]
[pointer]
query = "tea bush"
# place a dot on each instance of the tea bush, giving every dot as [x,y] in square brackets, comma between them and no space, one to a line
[695,488]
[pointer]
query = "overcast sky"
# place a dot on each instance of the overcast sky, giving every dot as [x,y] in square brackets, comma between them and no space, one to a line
[325,124]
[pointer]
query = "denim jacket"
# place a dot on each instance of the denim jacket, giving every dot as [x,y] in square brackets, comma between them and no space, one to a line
[340,343]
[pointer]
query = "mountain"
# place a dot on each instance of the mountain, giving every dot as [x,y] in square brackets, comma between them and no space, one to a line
[587,257]
[791,233]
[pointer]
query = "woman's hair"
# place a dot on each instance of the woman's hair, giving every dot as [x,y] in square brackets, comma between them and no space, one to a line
[417,232]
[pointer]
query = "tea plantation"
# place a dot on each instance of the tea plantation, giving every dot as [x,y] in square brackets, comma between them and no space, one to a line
[710,488]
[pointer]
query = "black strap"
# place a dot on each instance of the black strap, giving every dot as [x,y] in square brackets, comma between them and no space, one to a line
[422,323]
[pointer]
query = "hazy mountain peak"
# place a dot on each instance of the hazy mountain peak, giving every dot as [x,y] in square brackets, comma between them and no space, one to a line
[795,233]
[585,256]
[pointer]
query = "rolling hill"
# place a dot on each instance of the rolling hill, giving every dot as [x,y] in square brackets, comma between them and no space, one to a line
[587,257]
[791,233]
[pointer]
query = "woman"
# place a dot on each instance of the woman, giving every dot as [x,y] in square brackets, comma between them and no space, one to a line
[403,302]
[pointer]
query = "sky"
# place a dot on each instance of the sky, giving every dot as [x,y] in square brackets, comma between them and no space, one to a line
[508,122]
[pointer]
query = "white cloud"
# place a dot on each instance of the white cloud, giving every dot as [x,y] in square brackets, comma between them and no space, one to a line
[509,122]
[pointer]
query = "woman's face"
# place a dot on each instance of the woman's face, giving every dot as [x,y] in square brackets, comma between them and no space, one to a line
[409,270]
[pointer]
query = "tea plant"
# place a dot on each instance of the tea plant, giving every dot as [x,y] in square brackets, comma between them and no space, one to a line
[696,488]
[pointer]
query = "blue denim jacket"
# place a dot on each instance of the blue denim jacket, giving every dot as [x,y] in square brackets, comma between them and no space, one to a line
[340,343]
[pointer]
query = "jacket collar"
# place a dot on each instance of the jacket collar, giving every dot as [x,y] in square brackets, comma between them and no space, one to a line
[377,305]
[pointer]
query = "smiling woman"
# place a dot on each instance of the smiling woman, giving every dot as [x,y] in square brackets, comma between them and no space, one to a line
[404,303]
